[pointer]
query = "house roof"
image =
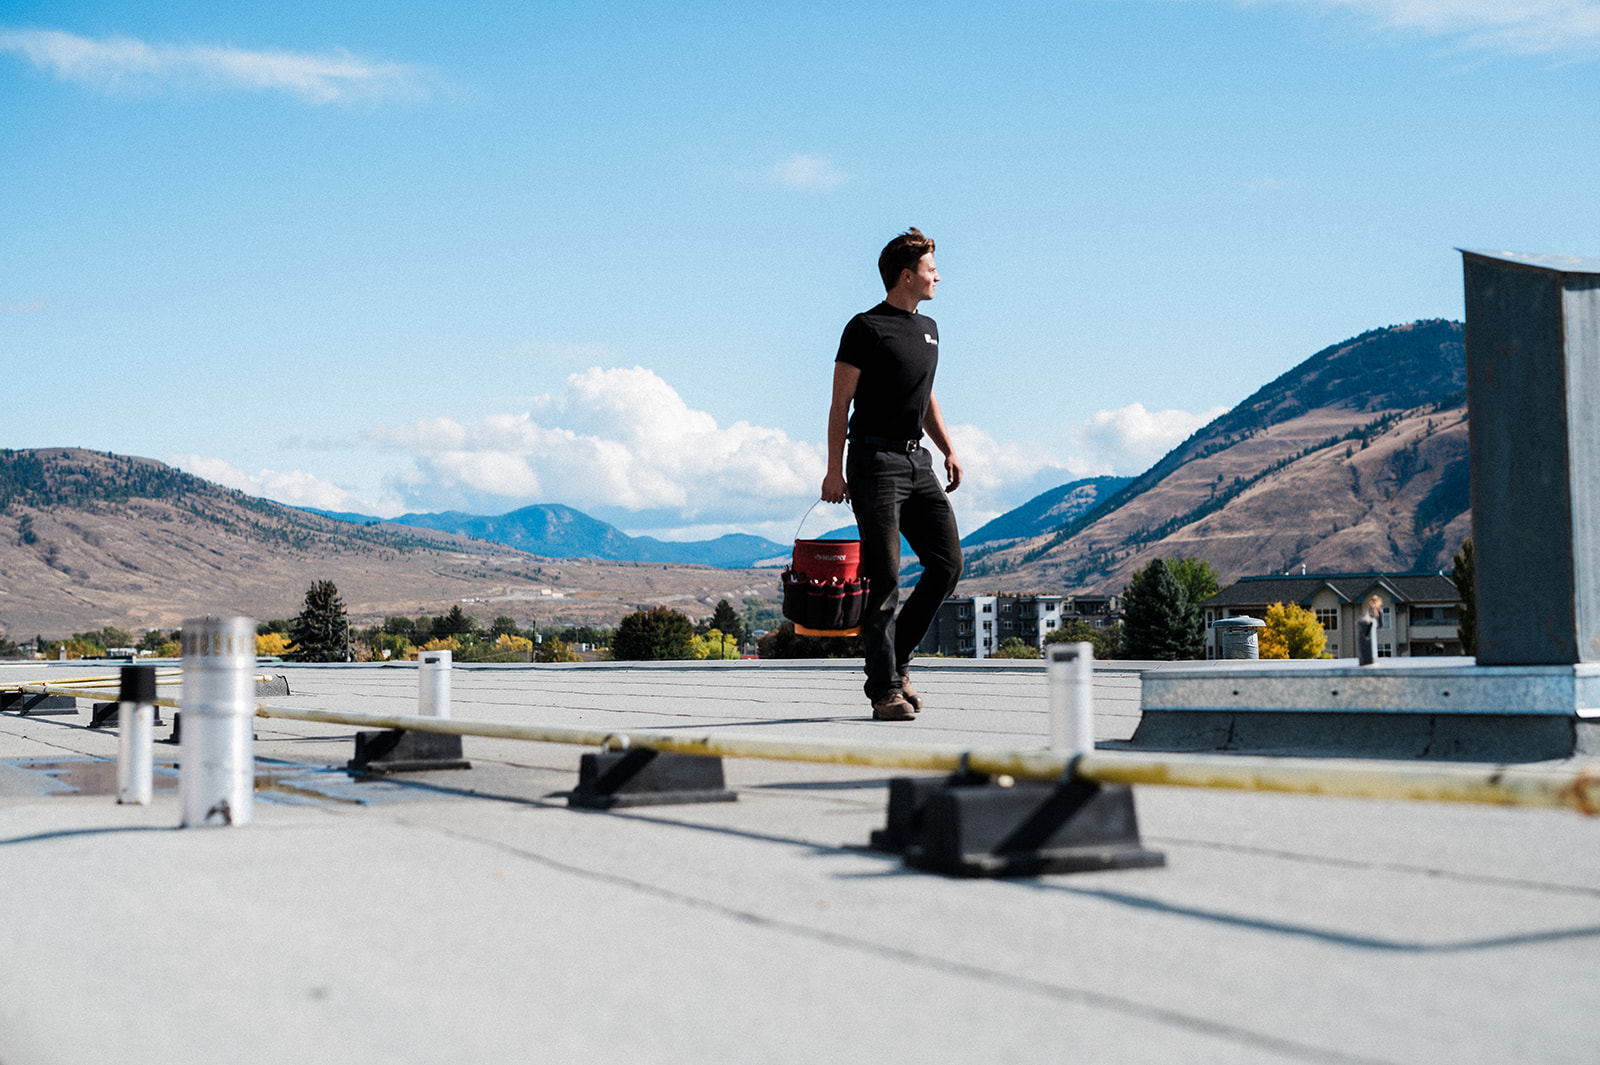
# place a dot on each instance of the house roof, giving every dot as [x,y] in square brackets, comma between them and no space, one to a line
[1349,587]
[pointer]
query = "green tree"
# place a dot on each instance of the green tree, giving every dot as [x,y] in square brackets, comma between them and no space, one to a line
[321,633]
[1292,632]
[1107,642]
[1159,621]
[1197,578]
[505,625]
[1016,647]
[594,637]
[726,620]
[1464,574]
[108,637]
[455,623]
[398,626]
[655,635]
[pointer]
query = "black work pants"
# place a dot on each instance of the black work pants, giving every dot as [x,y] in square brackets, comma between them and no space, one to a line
[894,494]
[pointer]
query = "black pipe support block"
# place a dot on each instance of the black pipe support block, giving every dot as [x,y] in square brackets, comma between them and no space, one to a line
[31,704]
[104,715]
[277,684]
[974,826]
[641,777]
[400,751]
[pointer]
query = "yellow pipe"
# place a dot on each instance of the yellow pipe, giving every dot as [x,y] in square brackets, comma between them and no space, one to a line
[167,675]
[1576,789]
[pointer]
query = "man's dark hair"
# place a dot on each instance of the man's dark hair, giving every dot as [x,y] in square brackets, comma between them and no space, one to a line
[902,253]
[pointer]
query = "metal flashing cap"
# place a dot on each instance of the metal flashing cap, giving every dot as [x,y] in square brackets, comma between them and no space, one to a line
[138,685]
[1565,264]
[218,642]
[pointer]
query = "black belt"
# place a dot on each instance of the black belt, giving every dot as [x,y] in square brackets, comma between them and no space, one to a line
[884,443]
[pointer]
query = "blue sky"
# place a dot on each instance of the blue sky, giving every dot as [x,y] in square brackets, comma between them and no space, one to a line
[477,255]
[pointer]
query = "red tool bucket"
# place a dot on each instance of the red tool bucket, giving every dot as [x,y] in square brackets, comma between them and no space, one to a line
[824,593]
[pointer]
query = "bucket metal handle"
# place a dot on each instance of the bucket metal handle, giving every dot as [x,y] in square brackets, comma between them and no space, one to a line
[807,514]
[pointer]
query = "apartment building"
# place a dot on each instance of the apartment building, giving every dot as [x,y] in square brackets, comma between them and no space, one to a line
[974,626]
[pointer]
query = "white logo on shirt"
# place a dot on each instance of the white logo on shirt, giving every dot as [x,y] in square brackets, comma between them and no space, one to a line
[930,338]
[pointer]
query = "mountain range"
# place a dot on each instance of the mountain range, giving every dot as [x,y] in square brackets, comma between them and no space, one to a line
[556,531]
[89,539]
[1355,459]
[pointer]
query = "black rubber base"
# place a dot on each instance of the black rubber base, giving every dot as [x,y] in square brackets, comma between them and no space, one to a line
[29,704]
[640,777]
[972,826]
[104,715]
[399,751]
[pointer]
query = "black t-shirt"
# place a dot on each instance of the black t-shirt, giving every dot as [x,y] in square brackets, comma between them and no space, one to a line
[897,353]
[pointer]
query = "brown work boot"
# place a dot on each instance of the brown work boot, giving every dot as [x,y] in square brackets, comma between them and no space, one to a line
[910,693]
[893,707]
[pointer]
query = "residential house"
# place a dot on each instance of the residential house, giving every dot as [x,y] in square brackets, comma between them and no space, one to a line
[1421,611]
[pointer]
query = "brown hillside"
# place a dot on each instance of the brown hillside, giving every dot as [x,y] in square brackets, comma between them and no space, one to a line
[1397,504]
[89,539]
[1355,459]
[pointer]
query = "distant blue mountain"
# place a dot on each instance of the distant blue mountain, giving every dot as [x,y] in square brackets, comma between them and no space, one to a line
[1046,511]
[343,515]
[556,531]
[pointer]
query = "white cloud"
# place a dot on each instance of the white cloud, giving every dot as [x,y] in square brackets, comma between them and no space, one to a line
[814,173]
[622,445]
[1129,440]
[297,488]
[1517,25]
[19,307]
[996,477]
[613,440]
[119,63]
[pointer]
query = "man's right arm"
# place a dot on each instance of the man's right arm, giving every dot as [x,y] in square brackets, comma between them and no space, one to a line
[845,379]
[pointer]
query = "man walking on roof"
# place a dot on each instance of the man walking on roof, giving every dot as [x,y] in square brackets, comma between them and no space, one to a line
[885,366]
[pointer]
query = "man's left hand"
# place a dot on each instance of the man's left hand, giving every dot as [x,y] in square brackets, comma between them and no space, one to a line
[952,473]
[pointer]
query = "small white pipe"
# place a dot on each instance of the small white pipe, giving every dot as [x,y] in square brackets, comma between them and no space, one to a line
[433,683]
[217,774]
[1070,674]
[135,735]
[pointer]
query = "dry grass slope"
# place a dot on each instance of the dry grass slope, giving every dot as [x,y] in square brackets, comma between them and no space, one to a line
[89,539]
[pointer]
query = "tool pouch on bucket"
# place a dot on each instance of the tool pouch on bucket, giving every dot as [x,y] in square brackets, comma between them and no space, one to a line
[824,593]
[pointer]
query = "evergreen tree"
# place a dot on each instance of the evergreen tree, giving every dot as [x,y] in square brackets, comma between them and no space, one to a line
[1159,621]
[726,620]
[1465,577]
[322,631]
[455,623]
[655,635]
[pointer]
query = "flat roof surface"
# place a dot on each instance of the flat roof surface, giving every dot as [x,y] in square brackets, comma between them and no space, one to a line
[471,916]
